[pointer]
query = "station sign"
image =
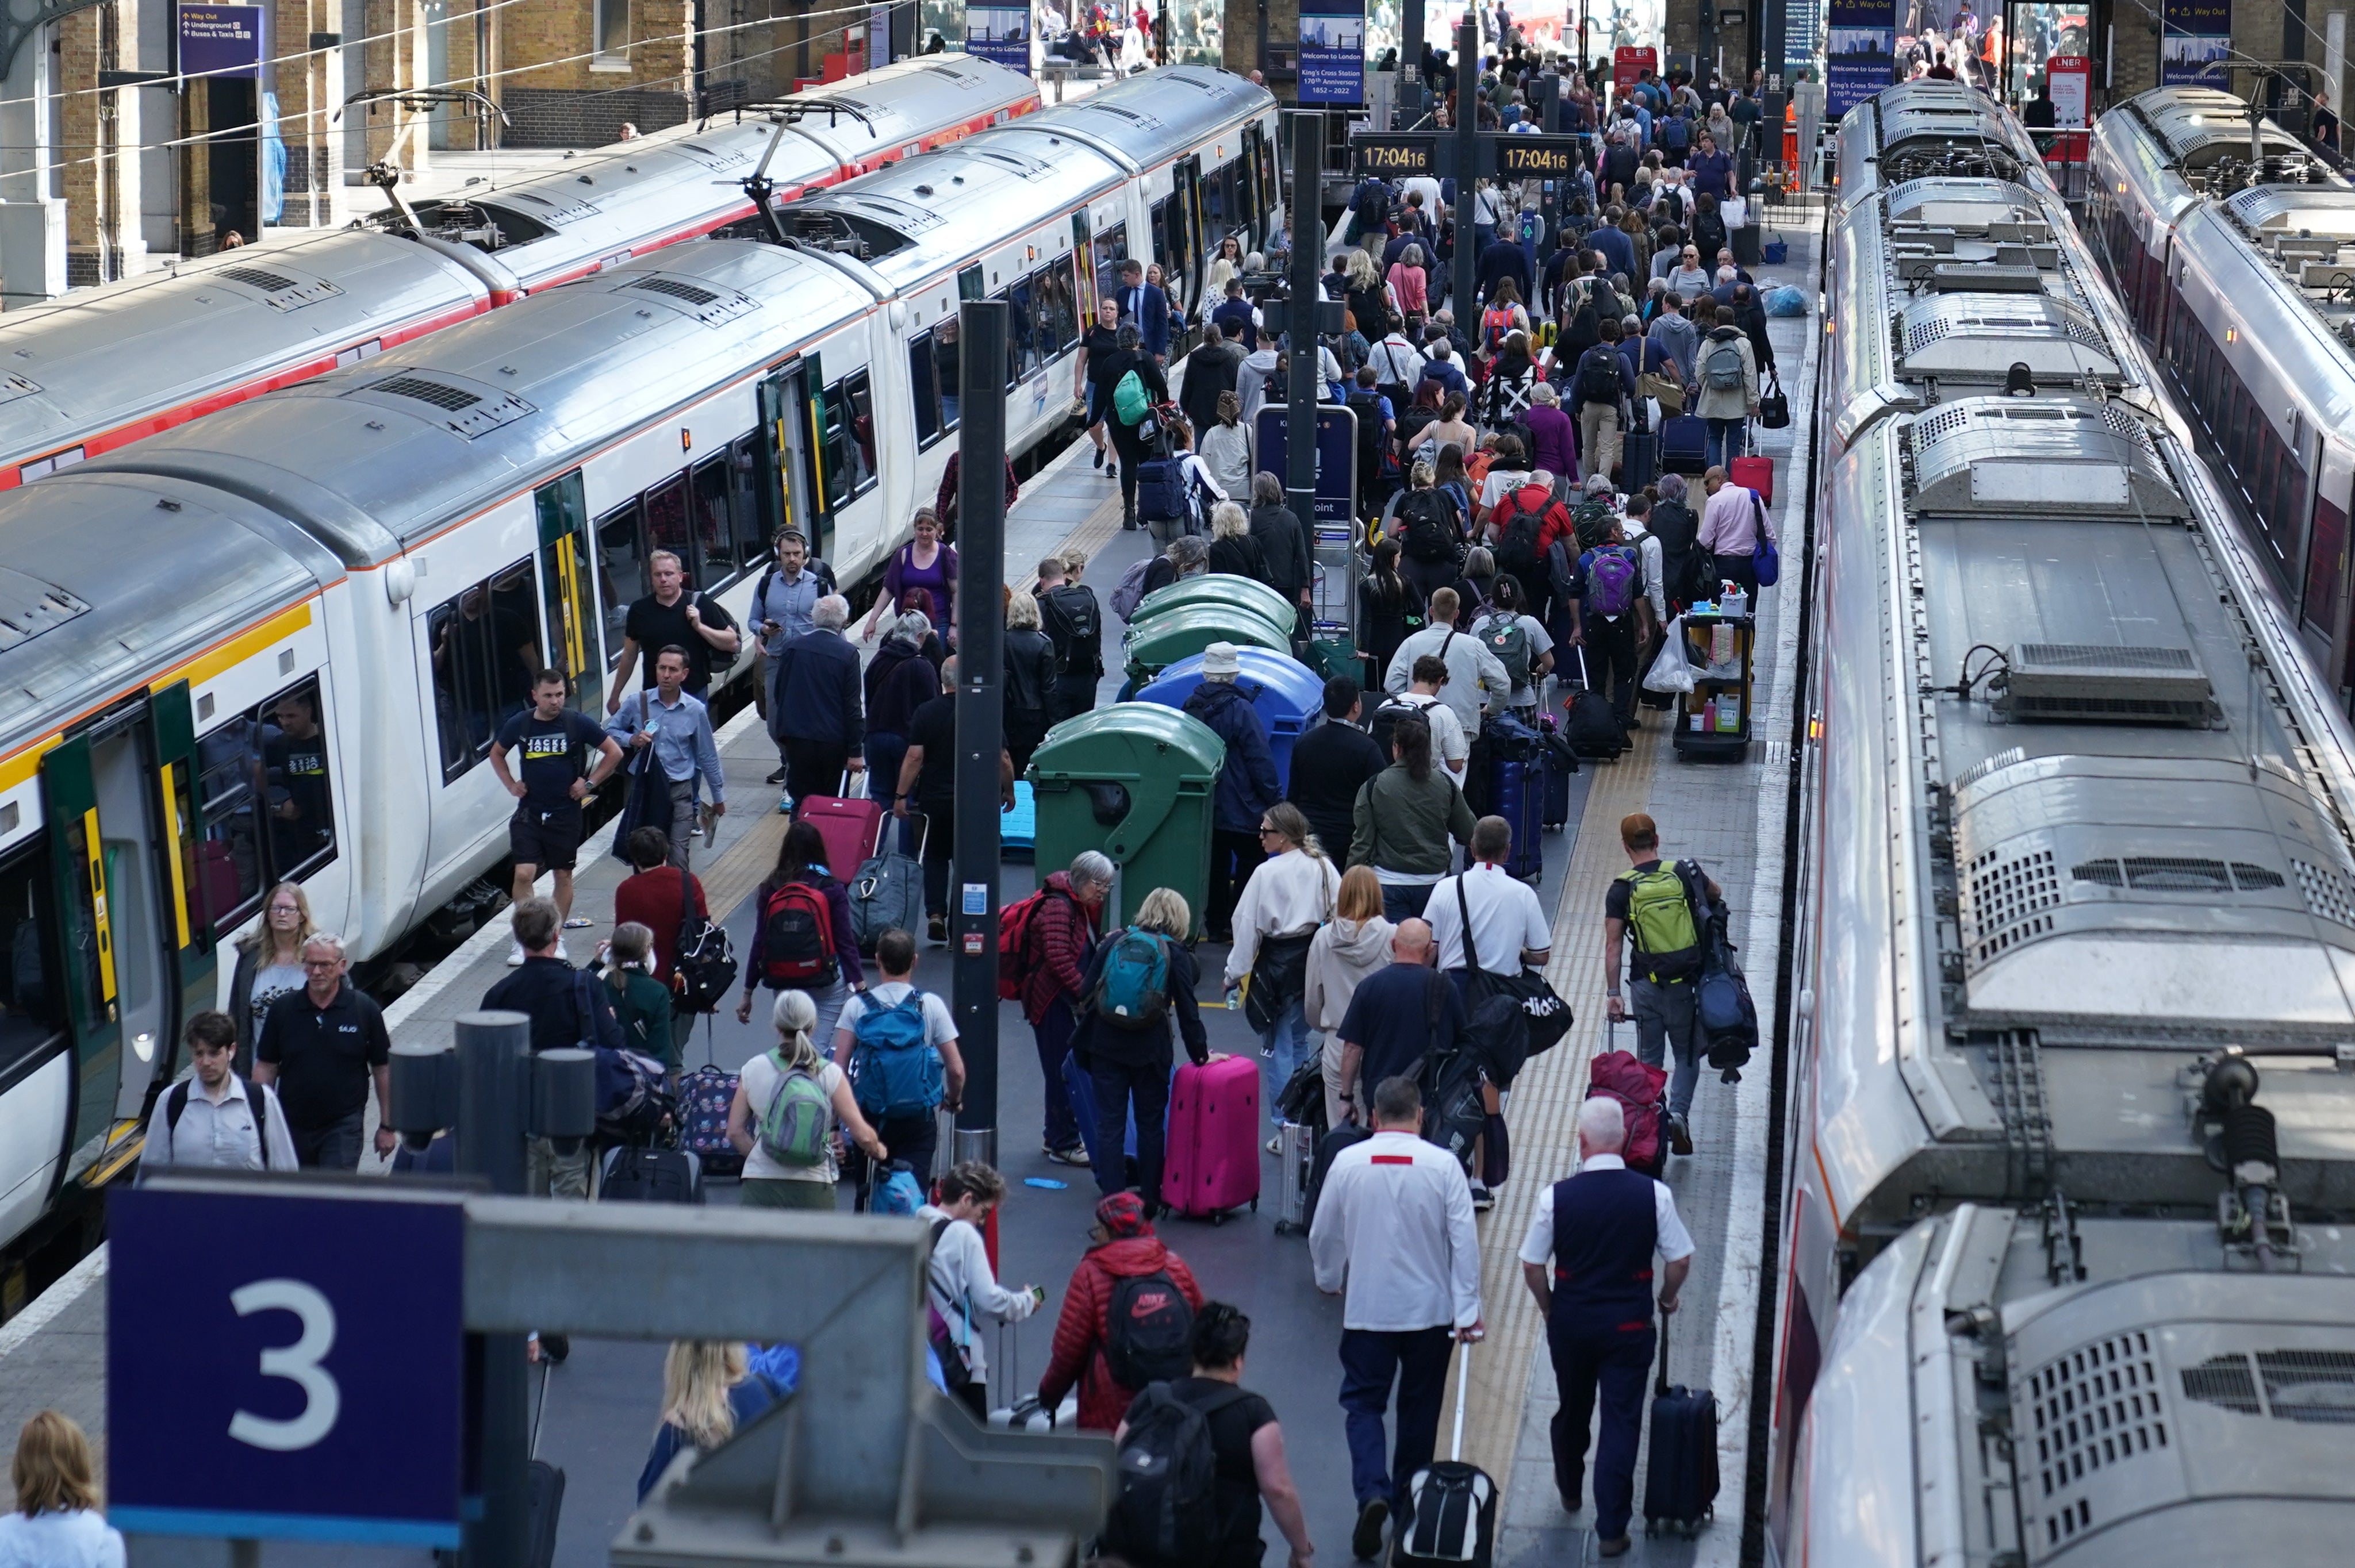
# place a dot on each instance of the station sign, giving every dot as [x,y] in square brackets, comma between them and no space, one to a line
[1396,154]
[1408,154]
[1536,157]
[223,40]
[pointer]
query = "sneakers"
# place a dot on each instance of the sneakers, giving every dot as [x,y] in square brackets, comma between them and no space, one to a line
[1679,1135]
[514,955]
[778,777]
[937,931]
[1616,1548]
[1365,1539]
[1483,1200]
[1100,457]
[1077,1154]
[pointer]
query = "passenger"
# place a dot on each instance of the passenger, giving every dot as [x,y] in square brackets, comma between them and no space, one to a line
[57,1521]
[215,1119]
[1283,542]
[1653,906]
[782,602]
[814,711]
[1526,520]
[1122,1247]
[1651,555]
[1587,1260]
[899,680]
[927,787]
[1062,936]
[672,616]
[888,1018]
[562,758]
[1676,527]
[1474,679]
[303,824]
[1290,895]
[641,1003]
[1128,358]
[1553,435]
[1608,587]
[1394,1230]
[1730,523]
[1404,819]
[1390,607]
[797,1172]
[656,896]
[1728,395]
[678,728]
[1029,690]
[566,1009]
[1201,488]
[1144,304]
[1246,1444]
[1225,445]
[708,1391]
[1353,946]
[1247,784]
[962,1286]
[1209,376]
[1130,1066]
[1521,644]
[1601,388]
[926,563]
[1331,763]
[1096,346]
[1071,615]
[1399,1013]
[802,935]
[1186,558]
[322,1047]
[269,964]
[1232,549]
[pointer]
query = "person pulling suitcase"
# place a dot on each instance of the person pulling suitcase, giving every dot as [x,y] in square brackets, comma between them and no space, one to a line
[1587,1260]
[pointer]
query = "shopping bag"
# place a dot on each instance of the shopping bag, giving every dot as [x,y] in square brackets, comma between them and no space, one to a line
[1671,671]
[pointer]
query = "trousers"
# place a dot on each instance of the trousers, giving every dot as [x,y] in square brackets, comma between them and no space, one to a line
[1053,1035]
[1233,857]
[682,819]
[1118,1083]
[332,1147]
[1611,1360]
[1598,439]
[548,1174]
[1416,1360]
[813,767]
[1666,1017]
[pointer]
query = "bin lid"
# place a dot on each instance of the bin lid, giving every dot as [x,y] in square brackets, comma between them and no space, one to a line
[1130,740]
[1282,687]
[1160,642]
[1220,589]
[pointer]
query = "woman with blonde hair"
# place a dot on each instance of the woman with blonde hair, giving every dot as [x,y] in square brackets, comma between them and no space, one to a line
[800,1174]
[1233,549]
[1029,679]
[709,1391]
[1131,1067]
[1289,896]
[57,1522]
[1349,947]
[268,965]
[1366,298]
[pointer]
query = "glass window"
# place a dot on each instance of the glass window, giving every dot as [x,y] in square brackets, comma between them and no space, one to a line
[667,527]
[32,1004]
[1111,250]
[1021,338]
[1060,333]
[80,929]
[295,773]
[715,530]
[1215,193]
[925,390]
[744,502]
[231,862]
[851,426]
[621,573]
[485,646]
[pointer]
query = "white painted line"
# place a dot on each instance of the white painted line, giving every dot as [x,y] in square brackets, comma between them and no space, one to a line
[44,1309]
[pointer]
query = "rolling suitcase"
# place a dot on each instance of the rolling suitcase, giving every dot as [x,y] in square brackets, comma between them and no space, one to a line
[631,1175]
[852,828]
[1213,1139]
[704,1097]
[888,893]
[1451,1507]
[1561,763]
[1295,1163]
[1680,1476]
[1639,459]
[1161,490]
[1517,793]
[1328,1147]
[1752,472]
[1684,444]
[1589,723]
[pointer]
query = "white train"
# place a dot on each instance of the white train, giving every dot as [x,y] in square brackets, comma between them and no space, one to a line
[91,372]
[2235,247]
[326,598]
[2070,1152]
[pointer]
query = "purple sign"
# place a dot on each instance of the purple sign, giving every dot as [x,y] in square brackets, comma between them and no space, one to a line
[1332,51]
[224,40]
[1859,53]
[2195,37]
[999,33]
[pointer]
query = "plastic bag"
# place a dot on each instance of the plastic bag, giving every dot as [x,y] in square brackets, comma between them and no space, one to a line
[1786,300]
[1671,671]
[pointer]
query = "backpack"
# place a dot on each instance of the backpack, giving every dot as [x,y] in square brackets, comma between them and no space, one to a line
[1368,406]
[1619,1076]
[1014,943]
[1131,989]
[1598,374]
[1720,367]
[1662,923]
[1495,322]
[798,1120]
[1508,639]
[1585,328]
[703,969]
[1129,592]
[1677,134]
[895,1072]
[1166,1511]
[1372,202]
[797,938]
[1590,520]
[176,1104]
[1517,549]
[1424,534]
[1147,1332]
[1130,400]
[1075,620]
[1384,720]
[1613,578]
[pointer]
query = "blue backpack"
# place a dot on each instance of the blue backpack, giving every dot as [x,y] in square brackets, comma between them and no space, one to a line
[1132,989]
[893,1071]
[1676,134]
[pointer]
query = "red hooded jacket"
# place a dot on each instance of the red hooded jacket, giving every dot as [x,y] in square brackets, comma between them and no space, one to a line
[1079,1333]
[1062,936]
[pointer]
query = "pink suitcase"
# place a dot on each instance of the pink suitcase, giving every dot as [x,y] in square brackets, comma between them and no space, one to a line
[1213,1158]
[851,829]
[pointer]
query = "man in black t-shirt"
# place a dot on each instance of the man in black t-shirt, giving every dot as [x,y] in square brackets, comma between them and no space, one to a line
[301,802]
[320,1047]
[547,828]
[673,616]
[927,787]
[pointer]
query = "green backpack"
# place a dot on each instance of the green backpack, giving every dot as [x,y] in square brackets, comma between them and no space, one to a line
[1130,400]
[1660,919]
[800,1117]
[1508,639]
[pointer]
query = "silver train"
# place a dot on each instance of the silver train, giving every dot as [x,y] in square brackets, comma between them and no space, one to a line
[276,641]
[2237,256]
[91,372]
[2065,1274]
[1929,128]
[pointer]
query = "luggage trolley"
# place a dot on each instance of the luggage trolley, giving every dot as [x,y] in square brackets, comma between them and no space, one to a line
[1714,719]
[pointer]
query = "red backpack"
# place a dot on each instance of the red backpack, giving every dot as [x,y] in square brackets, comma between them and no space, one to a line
[797,937]
[1640,1090]
[1013,938]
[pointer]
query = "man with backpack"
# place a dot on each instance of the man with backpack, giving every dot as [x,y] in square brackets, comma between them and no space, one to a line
[1608,587]
[1661,908]
[1601,386]
[567,1008]
[1527,520]
[1127,1321]
[1377,428]
[1073,621]
[1370,213]
[1727,395]
[1394,1230]
[1331,763]
[214,1119]
[900,1046]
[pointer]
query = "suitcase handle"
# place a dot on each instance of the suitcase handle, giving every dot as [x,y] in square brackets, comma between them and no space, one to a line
[1463,1380]
[1660,1385]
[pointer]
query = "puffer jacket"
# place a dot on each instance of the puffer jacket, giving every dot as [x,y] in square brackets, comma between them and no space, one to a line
[1402,826]
[1061,936]
[1247,784]
[1079,1332]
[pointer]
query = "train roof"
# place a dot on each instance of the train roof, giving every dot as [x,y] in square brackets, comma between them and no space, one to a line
[376,457]
[1150,118]
[1922,127]
[899,100]
[2199,127]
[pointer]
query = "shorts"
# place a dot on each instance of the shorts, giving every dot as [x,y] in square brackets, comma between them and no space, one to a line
[549,840]
[1095,404]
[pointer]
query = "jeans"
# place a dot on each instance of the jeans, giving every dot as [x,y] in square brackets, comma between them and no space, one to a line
[1281,1052]
[1725,436]
[937,829]
[1405,901]
[1417,1359]
[1598,439]
[1117,1085]
[1611,1359]
[1073,694]
[1665,1016]
[1053,1033]
[1130,446]
[334,1147]
[548,1174]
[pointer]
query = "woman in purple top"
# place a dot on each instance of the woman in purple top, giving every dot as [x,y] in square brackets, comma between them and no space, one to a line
[928,563]
[1553,439]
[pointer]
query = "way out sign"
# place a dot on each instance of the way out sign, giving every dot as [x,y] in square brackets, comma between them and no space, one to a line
[285,1361]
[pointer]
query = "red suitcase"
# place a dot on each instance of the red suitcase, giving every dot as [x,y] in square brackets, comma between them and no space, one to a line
[852,828]
[1755,474]
[1214,1157]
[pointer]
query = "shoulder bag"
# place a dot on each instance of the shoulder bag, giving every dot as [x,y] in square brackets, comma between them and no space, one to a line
[1545,1016]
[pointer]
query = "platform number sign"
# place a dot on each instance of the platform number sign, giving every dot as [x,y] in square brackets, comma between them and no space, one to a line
[285,1361]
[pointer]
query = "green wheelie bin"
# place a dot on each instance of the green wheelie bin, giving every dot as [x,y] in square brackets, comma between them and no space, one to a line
[1136,781]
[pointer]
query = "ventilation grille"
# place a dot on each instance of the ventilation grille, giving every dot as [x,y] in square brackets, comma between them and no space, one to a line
[2165,874]
[255,277]
[706,304]
[454,399]
[2105,682]
[280,292]
[2313,1387]
[2098,1405]
[1985,766]
[2329,894]
[2006,898]
[676,289]
[465,412]
[2104,656]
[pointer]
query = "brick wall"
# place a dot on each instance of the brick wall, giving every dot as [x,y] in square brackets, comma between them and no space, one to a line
[544,117]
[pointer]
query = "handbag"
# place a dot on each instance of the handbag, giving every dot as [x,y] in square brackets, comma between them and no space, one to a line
[1545,1017]
[648,804]
[1279,977]
[1764,558]
[1773,407]
[1668,392]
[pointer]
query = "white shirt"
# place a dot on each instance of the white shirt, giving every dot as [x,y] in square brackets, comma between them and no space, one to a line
[1447,742]
[1474,679]
[1432,204]
[1394,1224]
[217,1135]
[1541,644]
[940,1024]
[965,1290]
[1648,555]
[1507,918]
[1396,362]
[1287,895]
[81,1538]
[762,1077]
[1537,1246]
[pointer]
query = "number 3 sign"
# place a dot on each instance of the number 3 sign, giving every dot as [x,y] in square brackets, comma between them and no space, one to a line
[286,1360]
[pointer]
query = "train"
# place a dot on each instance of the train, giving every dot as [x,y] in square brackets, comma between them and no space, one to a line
[2234,246]
[275,642]
[2069,1150]
[96,369]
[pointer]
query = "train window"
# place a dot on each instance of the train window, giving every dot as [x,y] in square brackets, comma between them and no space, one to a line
[621,573]
[486,647]
[270,809]
[1161,249]
[1111,250]
[851,428]
[1217,190]
[295,767]
[970,283]
[1021,333]
[1060,321]
[667,527]
[32,1002]
[715,528]
[744,501]
[924,389]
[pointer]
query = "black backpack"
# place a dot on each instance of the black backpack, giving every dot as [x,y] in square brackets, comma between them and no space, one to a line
[1517,550]
[1372,202]
[1598,375]
[1149,1330]
[1384,719]
[1166,1511]
[1425,531]
[1074,622]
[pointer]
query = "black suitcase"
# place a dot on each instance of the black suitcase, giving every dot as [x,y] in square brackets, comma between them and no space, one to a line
[631,1175]
[1450,1508]
[1639,459]
[1328,1147]
[1680,1478]
[1684,443]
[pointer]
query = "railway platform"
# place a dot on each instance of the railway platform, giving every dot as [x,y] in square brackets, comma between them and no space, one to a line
[601,1405]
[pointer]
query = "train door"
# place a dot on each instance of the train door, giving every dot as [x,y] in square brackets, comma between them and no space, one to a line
[2322,612]
[568,590]
[1255,203]
[789,487]
[124,823]
[1187,258]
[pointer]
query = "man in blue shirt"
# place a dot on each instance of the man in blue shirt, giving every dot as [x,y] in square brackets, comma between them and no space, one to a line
[1712,170]
[1235,318]
[679,728]
[1147,306]
[1610,242]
